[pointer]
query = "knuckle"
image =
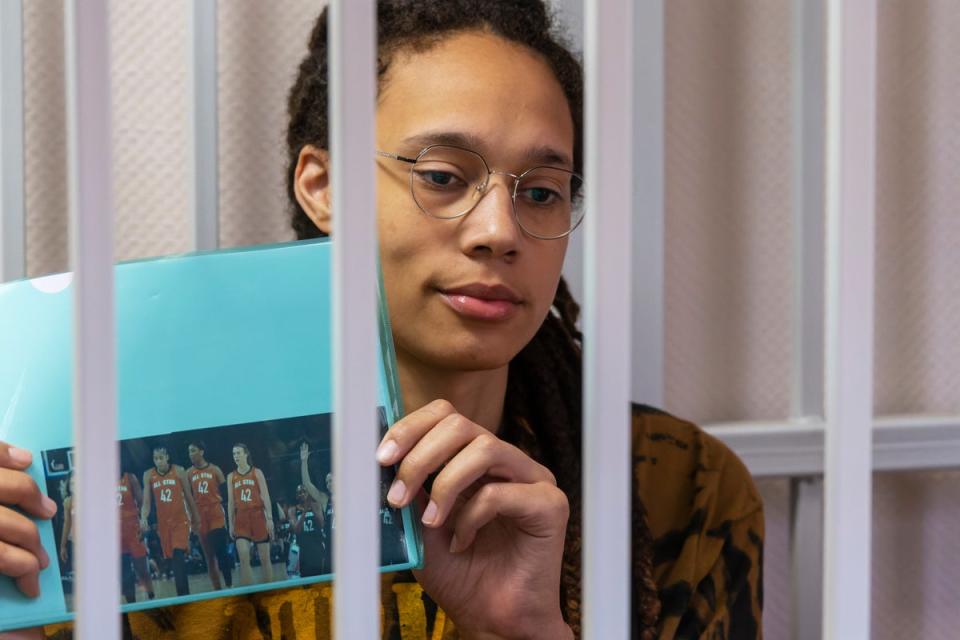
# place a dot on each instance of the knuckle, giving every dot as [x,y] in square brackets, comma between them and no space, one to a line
[489,492]
[550,477]
[557,503]
[455,422]
[486,443]
[441,407]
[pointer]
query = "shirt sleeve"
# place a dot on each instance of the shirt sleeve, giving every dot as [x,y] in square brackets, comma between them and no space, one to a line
[706,519]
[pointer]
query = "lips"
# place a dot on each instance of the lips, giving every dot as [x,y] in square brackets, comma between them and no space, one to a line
[483,302]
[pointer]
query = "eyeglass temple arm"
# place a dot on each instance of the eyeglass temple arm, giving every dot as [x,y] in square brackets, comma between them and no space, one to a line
[396,157]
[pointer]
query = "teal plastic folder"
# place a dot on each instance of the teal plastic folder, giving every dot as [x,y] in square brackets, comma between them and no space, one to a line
[224,348]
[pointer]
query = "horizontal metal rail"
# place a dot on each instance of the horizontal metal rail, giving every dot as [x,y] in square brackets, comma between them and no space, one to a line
[795,448]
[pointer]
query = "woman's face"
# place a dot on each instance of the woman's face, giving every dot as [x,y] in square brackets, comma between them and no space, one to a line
[196,454]
[161,460]
[501,100]
[239,456]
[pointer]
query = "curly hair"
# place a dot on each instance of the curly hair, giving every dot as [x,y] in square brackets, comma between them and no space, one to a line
[542,411]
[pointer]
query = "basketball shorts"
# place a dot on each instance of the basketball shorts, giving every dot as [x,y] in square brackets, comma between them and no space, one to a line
[173,535]
[211,517]
[130,541]
[251,525]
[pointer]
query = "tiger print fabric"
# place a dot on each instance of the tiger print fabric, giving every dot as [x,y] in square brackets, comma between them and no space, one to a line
[706,518]
[703,510]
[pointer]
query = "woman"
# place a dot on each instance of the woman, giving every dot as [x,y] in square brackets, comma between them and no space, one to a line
[177,514]
[307,520]
[205,479]
[250,514]
[133,553]
[488,349]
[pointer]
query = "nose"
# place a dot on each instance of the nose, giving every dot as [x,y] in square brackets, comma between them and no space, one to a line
[491,227]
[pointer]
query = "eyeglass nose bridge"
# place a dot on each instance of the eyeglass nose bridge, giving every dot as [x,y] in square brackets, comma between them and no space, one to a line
[483,186]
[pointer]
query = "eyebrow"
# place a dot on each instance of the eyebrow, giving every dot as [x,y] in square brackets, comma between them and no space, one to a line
[537,154]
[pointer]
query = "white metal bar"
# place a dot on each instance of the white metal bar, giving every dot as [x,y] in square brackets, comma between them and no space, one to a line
[808,206]
[851,177]
[806,550]
[91,216]
[204,176]
[608,55]
[352,94]
[796,448]
[12,208]
[649,233]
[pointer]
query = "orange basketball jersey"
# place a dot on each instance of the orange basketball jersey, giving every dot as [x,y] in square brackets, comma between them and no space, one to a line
[128,505]
[206,491]
[246,490]
[168,495]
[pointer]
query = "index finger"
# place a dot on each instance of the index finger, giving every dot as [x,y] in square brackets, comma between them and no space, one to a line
[407,431]
[14,458]
[17,488]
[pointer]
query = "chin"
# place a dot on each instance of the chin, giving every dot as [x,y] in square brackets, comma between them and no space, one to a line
[471,353]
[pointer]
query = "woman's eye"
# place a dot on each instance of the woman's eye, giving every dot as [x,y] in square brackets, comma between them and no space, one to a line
[439,179]
[542,196]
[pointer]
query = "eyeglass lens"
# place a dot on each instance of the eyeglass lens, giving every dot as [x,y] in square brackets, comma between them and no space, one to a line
[447,182]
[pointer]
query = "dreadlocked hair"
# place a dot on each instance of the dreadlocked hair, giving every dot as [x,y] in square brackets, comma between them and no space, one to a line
[542,409]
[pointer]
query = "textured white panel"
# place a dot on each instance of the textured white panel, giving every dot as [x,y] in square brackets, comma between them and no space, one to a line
[918,220]
[916,559]
[776,557]
[728,253]
[45,141]
[151,142]
[260,45]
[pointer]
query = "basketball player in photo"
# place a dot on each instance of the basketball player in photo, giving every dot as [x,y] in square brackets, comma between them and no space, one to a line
[308,521]
[205,480]
[133,553]
[66,534]
[176,512]
[250,513]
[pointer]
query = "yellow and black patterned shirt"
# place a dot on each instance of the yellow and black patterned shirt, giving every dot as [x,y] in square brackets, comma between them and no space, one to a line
[703,511]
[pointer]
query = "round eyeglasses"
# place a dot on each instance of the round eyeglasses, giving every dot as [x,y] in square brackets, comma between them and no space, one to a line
[448,181]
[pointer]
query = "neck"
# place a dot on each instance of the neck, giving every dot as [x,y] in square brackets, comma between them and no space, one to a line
[477,395]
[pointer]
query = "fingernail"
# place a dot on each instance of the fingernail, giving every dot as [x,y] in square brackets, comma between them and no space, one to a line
[454,544]
[398,491]
[49,505]
[430,513]
[20,456]
[44,558]
[387,452]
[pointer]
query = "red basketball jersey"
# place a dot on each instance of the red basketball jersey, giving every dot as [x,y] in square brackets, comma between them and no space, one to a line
[246,490]
[168,495]
[206,490]
[128,505]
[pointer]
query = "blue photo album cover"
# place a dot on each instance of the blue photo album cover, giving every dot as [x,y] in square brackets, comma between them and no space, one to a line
[224,365]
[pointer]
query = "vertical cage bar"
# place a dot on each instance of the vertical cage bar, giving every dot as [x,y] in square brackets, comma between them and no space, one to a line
[204,176]
[808,23]
[806,551]
[609,174]
[12,207]
[808,87]
[649,233]
[352,95]
[851,162]
[91,233]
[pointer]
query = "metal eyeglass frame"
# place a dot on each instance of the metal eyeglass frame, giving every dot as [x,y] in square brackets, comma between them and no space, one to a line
[513,193]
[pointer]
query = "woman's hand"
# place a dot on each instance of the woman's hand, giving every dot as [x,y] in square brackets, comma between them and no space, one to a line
[494,524]
[21,555]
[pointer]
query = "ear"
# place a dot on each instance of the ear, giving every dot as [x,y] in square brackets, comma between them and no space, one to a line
[311,185]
